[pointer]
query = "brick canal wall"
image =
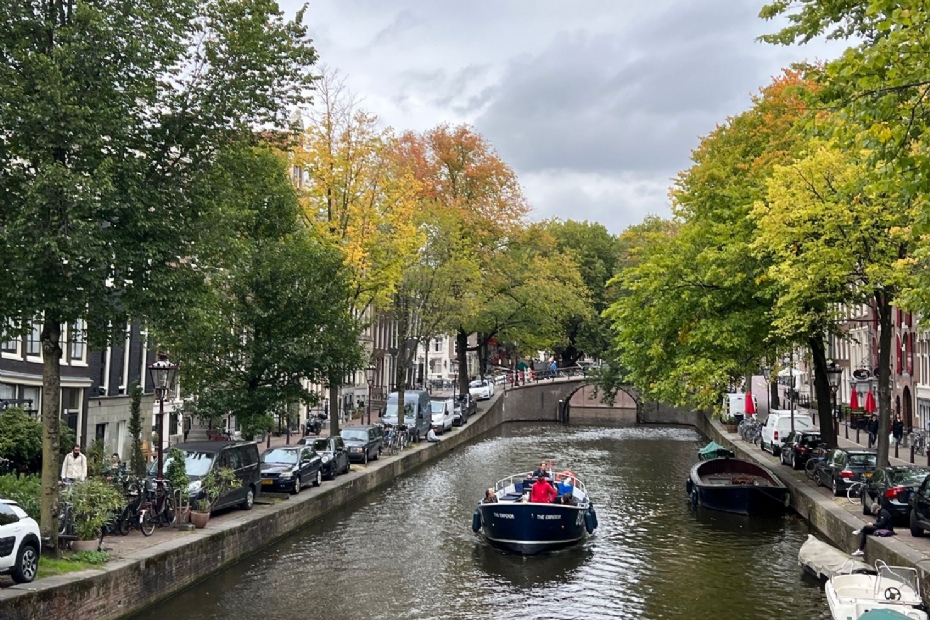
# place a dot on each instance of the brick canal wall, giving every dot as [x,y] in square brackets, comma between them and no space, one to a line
[126,586]
[833,523]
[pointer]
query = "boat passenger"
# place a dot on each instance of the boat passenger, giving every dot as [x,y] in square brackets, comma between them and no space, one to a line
[884,525]
[542,491]
[489,497]
[566,486]
[542,470]
[569,500]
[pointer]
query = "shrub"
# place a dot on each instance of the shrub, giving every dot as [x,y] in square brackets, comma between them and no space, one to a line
[24,489]
[21,440]
[92,501]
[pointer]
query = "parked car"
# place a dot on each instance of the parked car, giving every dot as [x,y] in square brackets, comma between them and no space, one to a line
[442,414]
[892,488]
[332,451]
[363,442]
[481,389]
[919,502]
[417,415]
[845,465]
[290,468]
[798,448]
[20,545]
[464,407]
[778,426]
[240,456]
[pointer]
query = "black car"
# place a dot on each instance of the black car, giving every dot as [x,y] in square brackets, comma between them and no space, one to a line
[290,468]
[798,448]
[333,452]
[843,466]
[363,442]
[463,408]
[892,488]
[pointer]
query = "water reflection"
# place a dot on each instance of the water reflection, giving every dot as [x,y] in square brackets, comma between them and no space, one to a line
[522,572]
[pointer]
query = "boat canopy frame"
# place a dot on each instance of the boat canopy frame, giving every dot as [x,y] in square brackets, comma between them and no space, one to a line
[503,483]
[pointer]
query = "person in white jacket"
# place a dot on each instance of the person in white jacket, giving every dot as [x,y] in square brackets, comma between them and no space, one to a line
[74,466]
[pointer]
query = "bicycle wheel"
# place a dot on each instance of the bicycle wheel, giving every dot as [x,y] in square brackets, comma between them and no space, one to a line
[170,513]
[854,492]
[810,468]
[146,522]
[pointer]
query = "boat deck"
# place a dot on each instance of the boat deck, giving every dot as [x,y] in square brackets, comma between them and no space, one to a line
[736,480]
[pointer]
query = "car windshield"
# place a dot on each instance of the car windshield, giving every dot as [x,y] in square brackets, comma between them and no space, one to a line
[476,384]
[437,406]
[914,475]
[355,435]
[321,445]
[809,440]
[862,460]
[196,463]
[285,457]
[461,398]
[390,411]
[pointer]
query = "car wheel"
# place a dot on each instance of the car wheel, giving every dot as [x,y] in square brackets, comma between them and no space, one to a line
[296,489]
[762,445]
[249,500]
[348,466]
[365,460]
[319,478]
[916,530]
[27,564]
[836,489]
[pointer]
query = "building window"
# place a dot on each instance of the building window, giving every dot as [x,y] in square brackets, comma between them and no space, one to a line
[7,391]
[11,346]
[78,341]
[34,341]
[100,432]
[437,346]
[34,394]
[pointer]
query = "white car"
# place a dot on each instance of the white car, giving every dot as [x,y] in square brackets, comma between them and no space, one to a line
[20,544]
[443,412]
[778,426]
[481,389]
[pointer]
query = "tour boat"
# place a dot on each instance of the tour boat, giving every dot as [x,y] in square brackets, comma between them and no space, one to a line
[895,588]
[527,528]
[734,485]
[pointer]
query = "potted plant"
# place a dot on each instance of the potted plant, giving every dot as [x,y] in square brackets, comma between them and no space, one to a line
[729,422]
[93,503]
[176,474]
[214,485]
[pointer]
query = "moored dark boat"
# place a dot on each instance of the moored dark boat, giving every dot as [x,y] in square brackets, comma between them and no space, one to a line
[529,528]
[734,485]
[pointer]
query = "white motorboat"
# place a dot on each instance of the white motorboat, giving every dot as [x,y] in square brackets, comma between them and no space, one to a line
[825,561]
[895,588]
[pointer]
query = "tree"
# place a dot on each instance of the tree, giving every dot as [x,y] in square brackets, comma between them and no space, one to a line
[105,138]
[21,440]
[136,458]
[836,243]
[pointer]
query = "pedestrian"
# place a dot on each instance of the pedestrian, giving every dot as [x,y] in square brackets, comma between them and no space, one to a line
[554,369]
[873,430]
[883,526]
[431,435]
[897,429]
[74,466]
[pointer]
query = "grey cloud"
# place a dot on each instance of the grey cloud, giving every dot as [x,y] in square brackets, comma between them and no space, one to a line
[402,23]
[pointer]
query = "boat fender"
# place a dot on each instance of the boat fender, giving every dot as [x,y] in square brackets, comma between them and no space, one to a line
[694,497]
[476,521]
[689,486]
[590,520]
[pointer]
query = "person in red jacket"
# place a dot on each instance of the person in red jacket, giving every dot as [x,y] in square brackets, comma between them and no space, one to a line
[542,492]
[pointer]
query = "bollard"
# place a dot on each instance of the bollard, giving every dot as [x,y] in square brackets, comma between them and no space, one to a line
[857,434]
[912,454]
[896,449]
[847,429]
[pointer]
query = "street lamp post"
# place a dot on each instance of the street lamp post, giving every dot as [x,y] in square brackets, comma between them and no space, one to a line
[767,373]
[162,375]
[371,382]
[834,373]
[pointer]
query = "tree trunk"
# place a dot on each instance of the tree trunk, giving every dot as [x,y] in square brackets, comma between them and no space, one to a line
[883,307]
[461,341]
[822,391]
[773,393]
[51,416]
[333,410]
[482,355]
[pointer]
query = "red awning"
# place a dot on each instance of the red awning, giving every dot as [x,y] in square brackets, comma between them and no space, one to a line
[750,404]
[854,400]
[870,403]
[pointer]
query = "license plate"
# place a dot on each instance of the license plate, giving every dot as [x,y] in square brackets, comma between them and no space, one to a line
[267,481]
[868,474]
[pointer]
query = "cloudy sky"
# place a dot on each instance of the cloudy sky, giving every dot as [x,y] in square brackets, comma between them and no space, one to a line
[596,104]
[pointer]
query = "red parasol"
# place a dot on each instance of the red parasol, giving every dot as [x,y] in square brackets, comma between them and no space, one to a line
[870,403]
[854,400]
[750,404]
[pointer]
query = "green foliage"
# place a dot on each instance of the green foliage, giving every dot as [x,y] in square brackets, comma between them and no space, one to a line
[97,458]
[136,458]
[24,490]
[92,558]
[92,501]
[176,474]
[217,482]
[20,439]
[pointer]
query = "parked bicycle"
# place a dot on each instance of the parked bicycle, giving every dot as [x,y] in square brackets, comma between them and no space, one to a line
[814,462]
[750,430]
[854,492]
[158,508]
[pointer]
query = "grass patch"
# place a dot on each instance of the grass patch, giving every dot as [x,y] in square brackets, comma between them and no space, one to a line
[71,562]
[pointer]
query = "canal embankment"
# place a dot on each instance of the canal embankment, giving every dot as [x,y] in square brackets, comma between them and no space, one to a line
[833,519]
[155,571]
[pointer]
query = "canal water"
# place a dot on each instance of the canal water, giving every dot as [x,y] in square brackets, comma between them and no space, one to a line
[408,551]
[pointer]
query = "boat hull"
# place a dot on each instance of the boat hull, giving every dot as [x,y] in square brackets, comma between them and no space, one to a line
[768,498]
[528,529]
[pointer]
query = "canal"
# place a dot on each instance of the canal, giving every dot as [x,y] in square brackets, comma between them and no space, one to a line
[407,551]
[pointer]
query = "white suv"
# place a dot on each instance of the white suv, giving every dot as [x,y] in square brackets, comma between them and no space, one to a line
[19,542]
[778,426]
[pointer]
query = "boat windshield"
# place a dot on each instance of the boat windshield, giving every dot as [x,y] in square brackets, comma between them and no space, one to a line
[900,574]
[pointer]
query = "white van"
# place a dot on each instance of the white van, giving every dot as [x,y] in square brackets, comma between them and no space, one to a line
[736,404]
[778,426]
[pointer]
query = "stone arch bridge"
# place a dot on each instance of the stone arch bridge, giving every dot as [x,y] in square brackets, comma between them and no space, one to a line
[572,400]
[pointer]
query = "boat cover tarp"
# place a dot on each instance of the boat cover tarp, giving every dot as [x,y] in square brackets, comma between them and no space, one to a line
[714,450]
[882,614]
[825,560]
